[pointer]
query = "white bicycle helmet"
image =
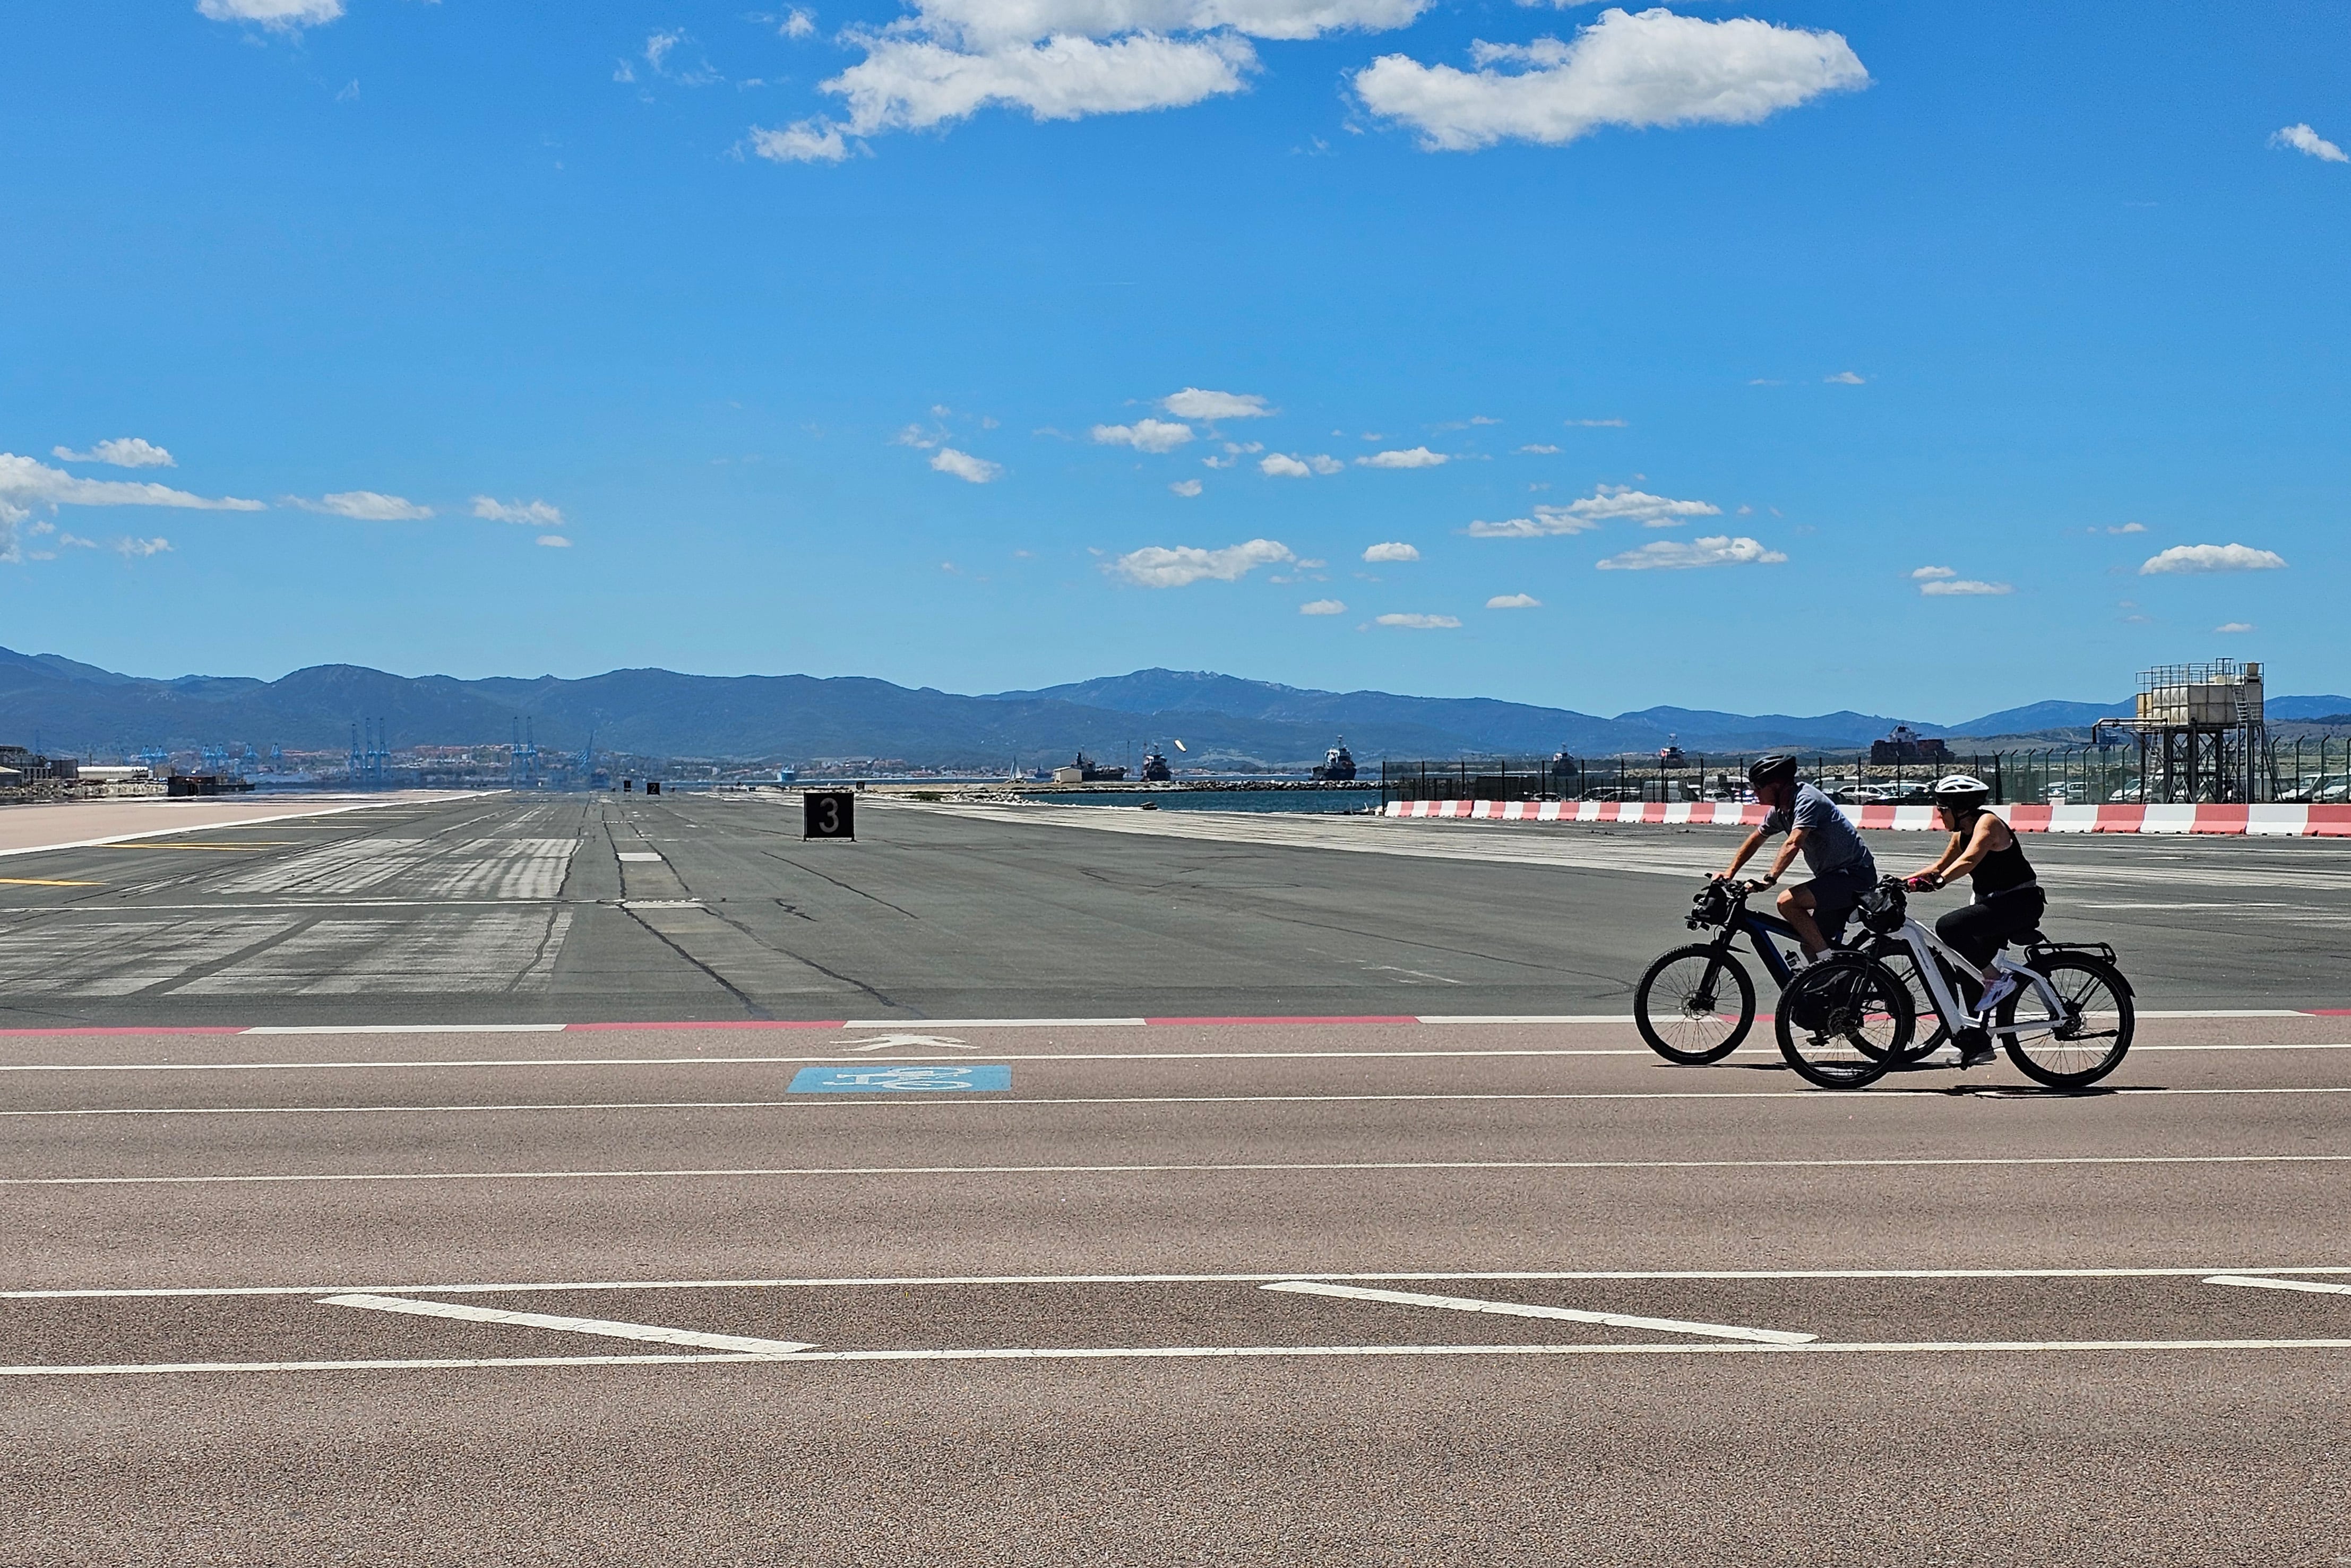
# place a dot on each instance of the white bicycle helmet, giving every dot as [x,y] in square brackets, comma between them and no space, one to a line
[1961,791]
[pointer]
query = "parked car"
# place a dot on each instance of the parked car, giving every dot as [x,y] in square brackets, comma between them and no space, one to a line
[2072,792]
[1858,795]
[1908,795]
[2326,789]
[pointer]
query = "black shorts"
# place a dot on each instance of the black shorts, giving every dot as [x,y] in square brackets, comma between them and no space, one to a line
[1834,893]
[1981,929]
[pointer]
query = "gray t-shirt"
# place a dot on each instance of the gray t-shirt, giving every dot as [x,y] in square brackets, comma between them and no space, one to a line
[1831,841]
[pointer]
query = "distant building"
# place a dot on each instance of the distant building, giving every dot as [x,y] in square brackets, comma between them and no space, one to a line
[1907,745]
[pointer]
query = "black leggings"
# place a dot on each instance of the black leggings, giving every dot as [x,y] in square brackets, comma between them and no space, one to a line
[1979,930]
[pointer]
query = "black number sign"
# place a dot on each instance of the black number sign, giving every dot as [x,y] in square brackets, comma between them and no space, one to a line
[829,814]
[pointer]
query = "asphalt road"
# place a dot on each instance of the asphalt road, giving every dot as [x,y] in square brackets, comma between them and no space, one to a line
[415,1277]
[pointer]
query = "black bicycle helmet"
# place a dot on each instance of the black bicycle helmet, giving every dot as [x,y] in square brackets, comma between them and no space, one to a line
[1961,792]
[1771,770]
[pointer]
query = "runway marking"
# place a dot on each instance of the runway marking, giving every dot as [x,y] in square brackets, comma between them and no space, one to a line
[2014,1092]
[930,1041]
[638,855]
[1235,1168]
[117,839]
[1521,1309]
[405,1029]
[43,881]
[1216,1353]
[2324,1289]
[513,1287]
[227,849]
[647,1332]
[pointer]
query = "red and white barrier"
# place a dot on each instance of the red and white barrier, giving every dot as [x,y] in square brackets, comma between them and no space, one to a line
[2258,821]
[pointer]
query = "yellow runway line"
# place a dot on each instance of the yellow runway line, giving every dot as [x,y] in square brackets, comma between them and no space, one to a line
[43,881]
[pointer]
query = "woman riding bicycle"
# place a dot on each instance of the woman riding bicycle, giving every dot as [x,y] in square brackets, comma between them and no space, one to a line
[2008,898]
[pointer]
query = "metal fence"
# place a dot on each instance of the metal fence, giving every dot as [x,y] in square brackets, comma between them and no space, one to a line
[2315,770]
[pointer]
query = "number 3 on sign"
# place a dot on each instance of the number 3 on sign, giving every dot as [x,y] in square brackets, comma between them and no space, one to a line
[828,814]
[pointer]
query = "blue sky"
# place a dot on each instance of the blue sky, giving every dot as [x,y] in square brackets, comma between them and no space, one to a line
[866,340]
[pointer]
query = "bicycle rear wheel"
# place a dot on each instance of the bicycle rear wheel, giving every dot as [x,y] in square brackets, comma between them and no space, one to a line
[1695,1004]
[2082,1042]
[1844,1021]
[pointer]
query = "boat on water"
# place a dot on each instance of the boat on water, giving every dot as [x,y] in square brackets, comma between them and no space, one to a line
[1155,768]
[1084,770]
[1338,764]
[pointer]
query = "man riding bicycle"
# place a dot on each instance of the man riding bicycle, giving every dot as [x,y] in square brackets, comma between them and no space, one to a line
[1842,866]
[2008,900]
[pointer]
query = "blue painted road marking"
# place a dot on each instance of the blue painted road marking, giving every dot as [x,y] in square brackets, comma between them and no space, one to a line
[900,1079]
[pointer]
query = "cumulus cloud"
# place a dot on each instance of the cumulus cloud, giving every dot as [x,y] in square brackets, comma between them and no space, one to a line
[1514,601]
[539,514]
[1928,573]
[1597,424]
[1384,552]
[1417,623]
[965,467]
[1410,457]
[282,16]
[1159,565]
[123,452]
[2234,626]
[1323,607]
[1186,487]
[1144,435]
[555,541]
[1606,503]
[1846,378]
[1198,402]
[1539,450]
[1281,466]
[138,549]
[800,22]
[1718,549]
[364,506]
[1645,69]
[2212,558]
[2302,138]
[1963,587]
[2128,529]
[26,482]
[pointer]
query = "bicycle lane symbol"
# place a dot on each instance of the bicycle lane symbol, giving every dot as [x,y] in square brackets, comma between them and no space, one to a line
[902,1079]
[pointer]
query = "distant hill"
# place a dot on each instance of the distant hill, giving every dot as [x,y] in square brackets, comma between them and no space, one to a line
[1223,720]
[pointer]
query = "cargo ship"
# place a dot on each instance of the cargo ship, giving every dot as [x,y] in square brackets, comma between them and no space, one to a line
[1338,764]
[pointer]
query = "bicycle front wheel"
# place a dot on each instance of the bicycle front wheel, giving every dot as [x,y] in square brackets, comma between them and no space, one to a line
[2084,1037]
[1695,1004]
[1927,1032]
[1844,1021]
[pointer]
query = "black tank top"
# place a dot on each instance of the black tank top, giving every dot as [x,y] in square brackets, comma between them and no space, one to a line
[2002,869]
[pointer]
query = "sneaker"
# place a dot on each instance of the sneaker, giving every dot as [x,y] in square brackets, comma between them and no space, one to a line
[2003,985]
[1975,1047]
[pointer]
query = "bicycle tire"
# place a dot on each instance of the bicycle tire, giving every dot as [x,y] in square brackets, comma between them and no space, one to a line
[1844,1021]
[1924,1042]
[2085,1049]
[1677,1035]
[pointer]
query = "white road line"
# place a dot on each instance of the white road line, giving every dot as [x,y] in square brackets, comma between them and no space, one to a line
[691,1338]
[1236,1168]
[1748,1053]
[852,1103]
[1224,1353]
[2323,1289]
[513,1287]
[403,1029]
[238,822]
[1521,1309]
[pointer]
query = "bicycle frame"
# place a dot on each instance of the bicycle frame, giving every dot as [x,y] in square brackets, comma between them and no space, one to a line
[1925,946]
[1759,928]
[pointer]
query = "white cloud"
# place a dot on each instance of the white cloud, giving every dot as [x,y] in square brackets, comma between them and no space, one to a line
[1391,552]
[123,451]
[1928,573]
[1196,402]
[2302,138]
[1846,378]
[1144,435]
[965,467]
[1243,448]
[555,541]
[1607,504]
[29,482]
[808,141]
[1157,566]
[365,505]
[1514,601]
[1964,588]
[1539,450]
[2234,626]
[1323,607]
[1186,487]
[1280,465]
[1718,549]
[2129,529]
[537,513]
[138,549]
[284,16]
[1596,424]
[1410,457]
[1416,623]
[1653,68]
[2212,558]
[800,22]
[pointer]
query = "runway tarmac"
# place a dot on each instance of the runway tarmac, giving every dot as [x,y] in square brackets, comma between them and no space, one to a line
[542,1221]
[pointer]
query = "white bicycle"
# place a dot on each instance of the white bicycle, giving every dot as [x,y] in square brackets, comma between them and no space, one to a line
[1847,1019]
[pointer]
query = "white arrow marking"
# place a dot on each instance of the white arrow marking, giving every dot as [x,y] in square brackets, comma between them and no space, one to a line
[605,1326]
[926,1041]
[1521,1309]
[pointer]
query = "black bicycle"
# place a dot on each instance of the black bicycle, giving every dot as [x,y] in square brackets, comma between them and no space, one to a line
[1696,1004]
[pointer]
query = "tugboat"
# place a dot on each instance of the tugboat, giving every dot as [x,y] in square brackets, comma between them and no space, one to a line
[1338,764]
[1086,770]
[1670,755]
[1155,769]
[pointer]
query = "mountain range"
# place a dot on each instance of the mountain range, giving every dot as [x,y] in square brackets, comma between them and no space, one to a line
[1223,720]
